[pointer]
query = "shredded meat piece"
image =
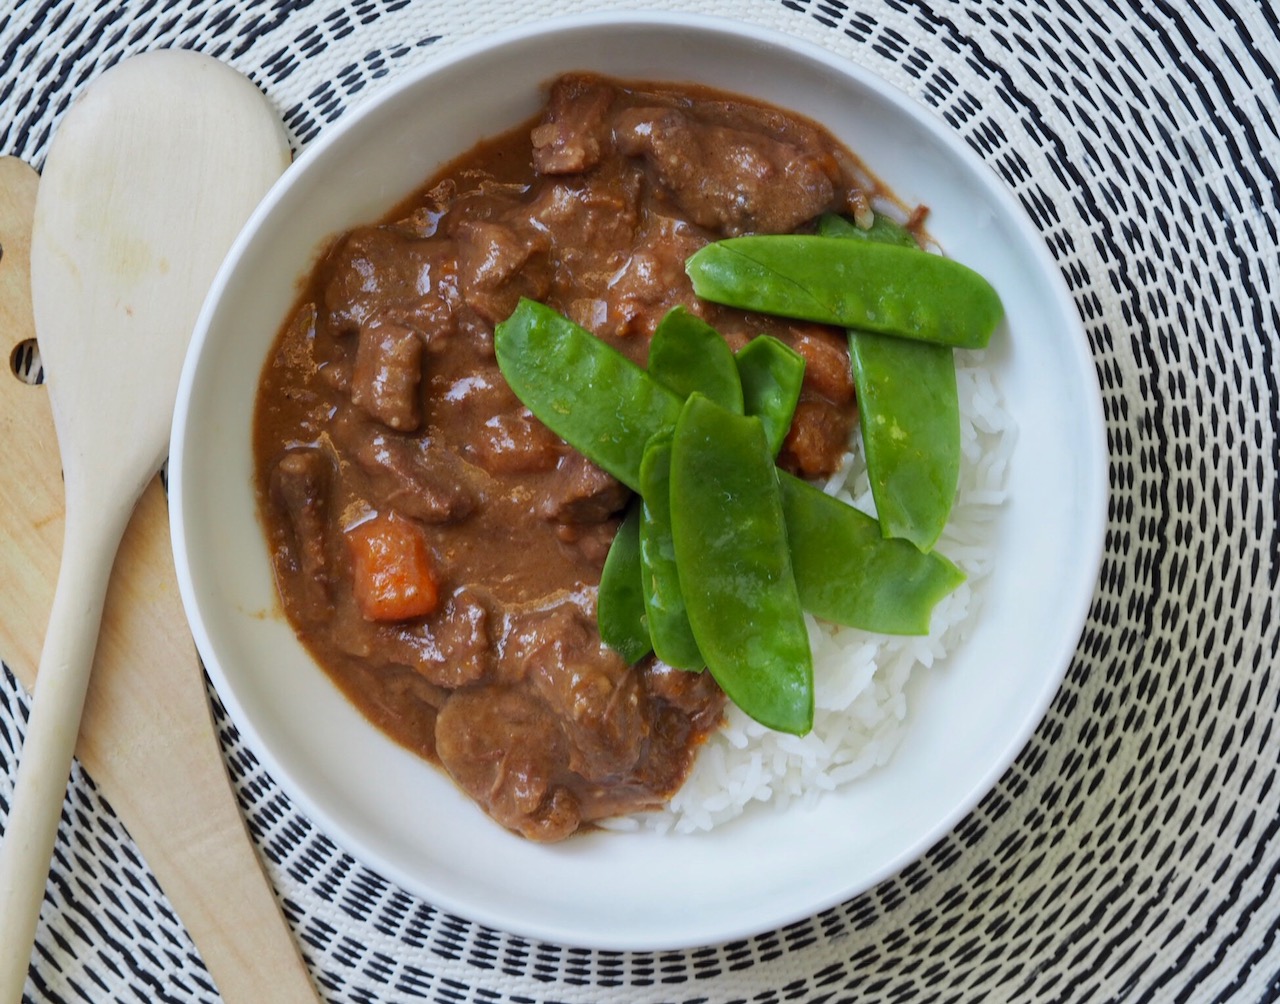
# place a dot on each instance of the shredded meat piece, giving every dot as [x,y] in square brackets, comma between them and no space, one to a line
[387,374]
[413,476]
[464,649]
[502,748]
[499,265]
[583,493]
[653,280]
[817,440]
[300,483]
[826,361]
[696,694]
[574,132]
[597,699]
[727,179]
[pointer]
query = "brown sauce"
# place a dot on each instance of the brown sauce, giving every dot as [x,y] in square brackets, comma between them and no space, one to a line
[382,409]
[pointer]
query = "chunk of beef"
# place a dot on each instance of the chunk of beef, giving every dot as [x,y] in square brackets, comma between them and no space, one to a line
[299,488]
[413,701]
[591,540]
[591,222]
[827,370]
[381,273]
[463,650]
[588,686]
[582,492]
[818,438]
[449,649]
[824,419]
[387,375]
[730,180]
[652,279]
[413,476]
[574,130]
[673,744]
[697,695]
[515,442]
[493,429]
[498,264]
[502,747]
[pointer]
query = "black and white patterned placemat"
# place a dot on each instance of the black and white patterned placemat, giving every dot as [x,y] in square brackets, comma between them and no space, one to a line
[1132,853]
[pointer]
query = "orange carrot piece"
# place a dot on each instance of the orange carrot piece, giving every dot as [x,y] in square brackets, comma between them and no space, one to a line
[394,575]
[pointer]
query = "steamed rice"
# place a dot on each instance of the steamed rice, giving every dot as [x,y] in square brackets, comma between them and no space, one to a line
[860,678]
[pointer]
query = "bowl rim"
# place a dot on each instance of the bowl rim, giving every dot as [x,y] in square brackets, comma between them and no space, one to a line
[1091,422]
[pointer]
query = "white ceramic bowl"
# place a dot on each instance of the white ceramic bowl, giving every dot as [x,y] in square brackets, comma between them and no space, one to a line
[968,718]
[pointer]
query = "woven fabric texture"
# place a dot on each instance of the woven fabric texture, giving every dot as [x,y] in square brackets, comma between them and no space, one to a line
[1132,852]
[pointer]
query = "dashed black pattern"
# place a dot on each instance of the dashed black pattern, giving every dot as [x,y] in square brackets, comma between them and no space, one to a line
[1132,852]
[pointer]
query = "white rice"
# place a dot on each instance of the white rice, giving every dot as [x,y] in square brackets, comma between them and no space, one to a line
[860,677]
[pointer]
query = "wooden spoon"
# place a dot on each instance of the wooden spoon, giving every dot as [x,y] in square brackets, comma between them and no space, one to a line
[146,184]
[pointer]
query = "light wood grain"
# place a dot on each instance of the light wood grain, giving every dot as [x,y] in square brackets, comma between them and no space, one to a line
[146,737]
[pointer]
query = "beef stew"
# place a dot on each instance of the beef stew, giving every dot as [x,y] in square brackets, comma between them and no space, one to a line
[435,547]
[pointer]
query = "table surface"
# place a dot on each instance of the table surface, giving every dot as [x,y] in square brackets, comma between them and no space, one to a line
[1132,852]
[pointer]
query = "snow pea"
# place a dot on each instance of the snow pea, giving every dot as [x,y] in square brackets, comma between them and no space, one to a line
[856,284]
[771,373]
[585,391]
[668,620]
[908,416]
[847,572]
[688,354]
[762,378]
[883,230]
[620,608]
[731,547]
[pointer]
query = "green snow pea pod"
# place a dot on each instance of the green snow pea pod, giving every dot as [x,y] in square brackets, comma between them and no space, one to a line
[688,354]
[909,418]
[856,284]
[771,373]
[585,391]
[620,610]
[663,599]
[883,230]
[735,567]
[847,572]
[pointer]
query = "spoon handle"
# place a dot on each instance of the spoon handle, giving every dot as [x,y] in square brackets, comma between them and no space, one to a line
[89,548]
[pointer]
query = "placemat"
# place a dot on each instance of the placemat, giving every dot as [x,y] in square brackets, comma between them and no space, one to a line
[1131,852]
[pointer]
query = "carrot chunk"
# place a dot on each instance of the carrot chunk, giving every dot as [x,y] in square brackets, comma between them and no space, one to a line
[393,571]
